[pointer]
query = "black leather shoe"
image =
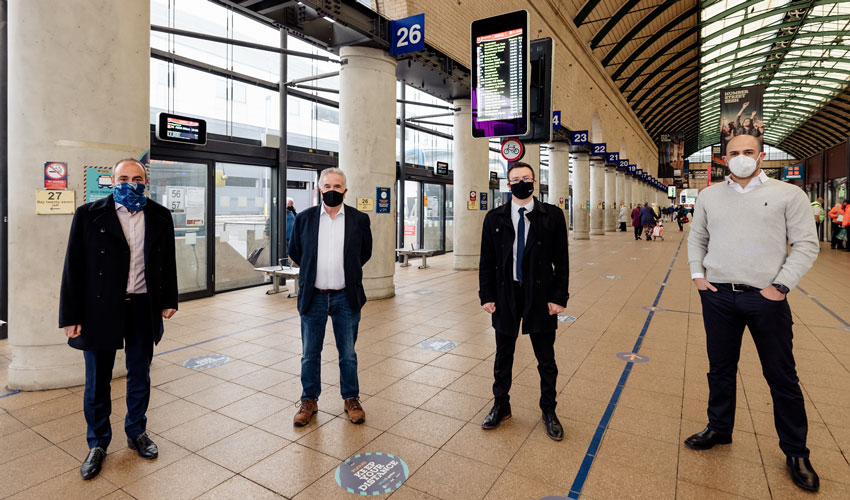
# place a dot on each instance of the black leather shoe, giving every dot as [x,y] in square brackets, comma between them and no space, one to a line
[553,426]
[706,439]
[91,466]
[496,416]
[802,473]
[143,446]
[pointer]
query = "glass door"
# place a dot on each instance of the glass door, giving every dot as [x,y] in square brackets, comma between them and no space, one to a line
[433,208]
[411,224]
[243,203]
[450,218]
[183,187]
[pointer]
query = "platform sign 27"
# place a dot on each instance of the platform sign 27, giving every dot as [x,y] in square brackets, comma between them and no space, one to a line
[407,35]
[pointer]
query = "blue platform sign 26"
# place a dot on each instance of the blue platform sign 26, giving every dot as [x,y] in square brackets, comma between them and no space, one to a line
[556,120]
[407,35]
[578,138]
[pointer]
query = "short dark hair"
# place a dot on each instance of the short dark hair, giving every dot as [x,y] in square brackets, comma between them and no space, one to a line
[521,164]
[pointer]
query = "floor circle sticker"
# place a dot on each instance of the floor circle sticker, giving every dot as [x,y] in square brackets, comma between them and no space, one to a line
[206,361]
[371,473]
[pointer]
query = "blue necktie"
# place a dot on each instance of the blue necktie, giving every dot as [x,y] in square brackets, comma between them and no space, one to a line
[520,243]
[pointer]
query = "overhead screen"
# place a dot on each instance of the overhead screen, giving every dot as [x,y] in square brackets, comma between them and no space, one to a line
[500,75]
[184,129]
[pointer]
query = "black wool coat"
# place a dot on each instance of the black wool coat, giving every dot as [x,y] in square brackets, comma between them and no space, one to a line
[546,268]
[97,264]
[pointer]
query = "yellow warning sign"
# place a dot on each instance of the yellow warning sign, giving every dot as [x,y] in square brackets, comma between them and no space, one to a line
[50,202]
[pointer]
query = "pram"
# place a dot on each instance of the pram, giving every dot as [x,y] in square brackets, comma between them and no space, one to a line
[658,232]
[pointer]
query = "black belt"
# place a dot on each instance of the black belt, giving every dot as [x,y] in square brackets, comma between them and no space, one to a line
[325,290]
[737,287]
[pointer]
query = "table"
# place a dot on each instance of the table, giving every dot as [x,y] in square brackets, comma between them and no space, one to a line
[280,272]
[406,254]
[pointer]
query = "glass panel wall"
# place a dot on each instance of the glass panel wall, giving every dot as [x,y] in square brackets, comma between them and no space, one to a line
[433,209]
[450,218]
[411,214]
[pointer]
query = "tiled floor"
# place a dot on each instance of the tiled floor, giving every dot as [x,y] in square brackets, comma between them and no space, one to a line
[227,432]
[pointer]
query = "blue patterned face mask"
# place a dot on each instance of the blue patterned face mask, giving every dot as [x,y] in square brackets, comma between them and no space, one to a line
[130,194]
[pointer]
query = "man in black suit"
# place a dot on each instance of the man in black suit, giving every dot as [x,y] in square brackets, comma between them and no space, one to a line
[331,243]
[524,278]
[119,282]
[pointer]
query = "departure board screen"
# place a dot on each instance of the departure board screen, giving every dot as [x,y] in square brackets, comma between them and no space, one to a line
[500,75]
[177,128]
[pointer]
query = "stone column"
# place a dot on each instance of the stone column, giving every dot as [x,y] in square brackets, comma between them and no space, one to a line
[78,93]
[581,195]
[532,157]
[627,190]
[619,180]
[559,177]
[637,193]
[597,196]
[471,173]
[367,86]
[610,199]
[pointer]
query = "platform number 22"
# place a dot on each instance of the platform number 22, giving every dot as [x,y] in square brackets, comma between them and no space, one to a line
[414,35]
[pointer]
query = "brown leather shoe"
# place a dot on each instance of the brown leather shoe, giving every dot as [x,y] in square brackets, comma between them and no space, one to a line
[306,409]
[355,411]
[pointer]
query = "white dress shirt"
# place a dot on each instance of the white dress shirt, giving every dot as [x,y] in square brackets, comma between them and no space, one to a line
[515,219]
[133,225]
[755,182]
[330,271]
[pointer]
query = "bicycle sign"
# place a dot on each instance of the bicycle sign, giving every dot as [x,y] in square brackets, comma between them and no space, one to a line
[512,149]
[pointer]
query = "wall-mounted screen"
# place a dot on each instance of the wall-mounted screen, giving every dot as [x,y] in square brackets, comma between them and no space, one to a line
[178,128]
[500,75]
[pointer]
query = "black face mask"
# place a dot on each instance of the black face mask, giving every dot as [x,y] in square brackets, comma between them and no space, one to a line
[290,209]
[332,198]
[522,190]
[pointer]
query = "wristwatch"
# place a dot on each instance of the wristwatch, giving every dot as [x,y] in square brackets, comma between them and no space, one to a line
[782,288]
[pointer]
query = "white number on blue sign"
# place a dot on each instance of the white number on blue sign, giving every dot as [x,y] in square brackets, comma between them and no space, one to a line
[414,35]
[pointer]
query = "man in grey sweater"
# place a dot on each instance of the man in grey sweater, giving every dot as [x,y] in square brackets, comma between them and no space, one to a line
[739,259]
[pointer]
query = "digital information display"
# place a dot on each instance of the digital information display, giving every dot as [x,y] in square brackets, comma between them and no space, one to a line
[500,75]
[185,129]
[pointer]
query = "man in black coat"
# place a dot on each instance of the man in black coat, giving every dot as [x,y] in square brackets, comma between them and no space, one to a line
[119,282]
[524,278]
[331,243]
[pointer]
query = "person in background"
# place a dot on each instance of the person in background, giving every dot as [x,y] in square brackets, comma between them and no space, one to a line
[523,281]
[636,221]
[648,218]
[290,218]
[819,213]
[840,218]
[741,265]
[119,282]
[623,218]
[681,217]
[331,243]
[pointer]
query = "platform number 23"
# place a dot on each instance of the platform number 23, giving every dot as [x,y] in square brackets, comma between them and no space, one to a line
[413,35]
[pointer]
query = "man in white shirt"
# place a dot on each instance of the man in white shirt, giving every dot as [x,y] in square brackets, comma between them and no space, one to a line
[331,243]
[739,259]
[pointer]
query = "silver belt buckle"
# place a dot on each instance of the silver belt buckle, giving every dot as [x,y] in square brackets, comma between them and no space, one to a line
[735,289]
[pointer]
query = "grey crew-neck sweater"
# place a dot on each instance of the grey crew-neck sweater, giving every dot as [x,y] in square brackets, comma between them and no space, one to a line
[743,238]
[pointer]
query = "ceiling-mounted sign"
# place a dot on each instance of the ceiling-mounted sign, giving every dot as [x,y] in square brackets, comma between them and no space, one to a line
[512,150]
[612,157]
[407,35]
[55,175]
[599,149]
[622,164]
[185,129]
[579,138]
[442,168]
[500,75]
[556,120]
[792,171]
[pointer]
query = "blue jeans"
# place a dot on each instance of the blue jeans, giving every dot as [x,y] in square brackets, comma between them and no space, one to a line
[345,322]
[97,400]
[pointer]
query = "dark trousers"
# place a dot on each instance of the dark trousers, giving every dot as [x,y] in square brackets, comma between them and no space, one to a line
[681,227]
[623,227]
[345,323]
[97,400]
[543,344]
[835,242]
[725,314]
[638,230]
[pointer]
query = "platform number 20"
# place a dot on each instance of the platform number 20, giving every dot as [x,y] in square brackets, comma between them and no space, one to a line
[413,35]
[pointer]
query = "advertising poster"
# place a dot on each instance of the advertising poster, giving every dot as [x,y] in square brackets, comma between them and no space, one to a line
[98,183]
[741,112]
[671,155]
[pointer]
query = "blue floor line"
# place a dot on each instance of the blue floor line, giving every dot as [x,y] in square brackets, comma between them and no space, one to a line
[10,394]
[816,301]
[590,456]
[225,336]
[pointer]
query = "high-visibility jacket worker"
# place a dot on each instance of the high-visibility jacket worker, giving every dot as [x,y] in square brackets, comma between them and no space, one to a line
[841,211]
[818,211]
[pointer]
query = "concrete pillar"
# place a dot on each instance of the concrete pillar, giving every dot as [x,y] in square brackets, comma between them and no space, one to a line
[637,194]
[532,157]
[620,181]
[610,199]
[597,196]
[471,173]
[581,195]
[627,191]
[367,86]
[559,177]
[78,93]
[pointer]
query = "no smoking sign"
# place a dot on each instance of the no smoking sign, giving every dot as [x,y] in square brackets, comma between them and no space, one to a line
[55,175]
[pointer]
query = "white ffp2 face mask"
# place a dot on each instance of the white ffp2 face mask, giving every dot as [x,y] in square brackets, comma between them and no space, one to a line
[742,166]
